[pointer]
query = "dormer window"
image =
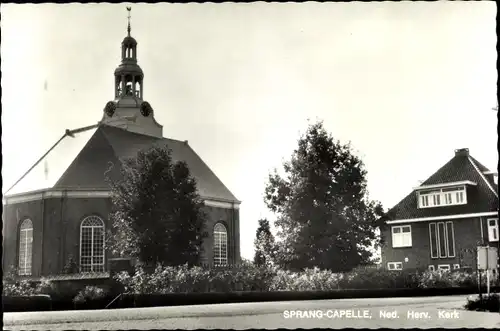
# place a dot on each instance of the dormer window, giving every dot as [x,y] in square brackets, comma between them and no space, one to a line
[442,195]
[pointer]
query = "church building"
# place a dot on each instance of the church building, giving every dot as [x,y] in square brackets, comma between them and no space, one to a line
[59,208]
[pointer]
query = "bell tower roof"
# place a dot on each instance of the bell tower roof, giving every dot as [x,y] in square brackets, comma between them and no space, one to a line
[129,110]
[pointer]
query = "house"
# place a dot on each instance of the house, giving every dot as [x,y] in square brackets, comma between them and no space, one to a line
[59,208]
[440,224]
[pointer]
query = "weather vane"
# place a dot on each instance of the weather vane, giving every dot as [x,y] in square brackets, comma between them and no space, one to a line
[128,29]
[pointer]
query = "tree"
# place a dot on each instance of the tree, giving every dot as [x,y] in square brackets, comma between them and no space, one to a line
[71,267]
[324,216]
[157,214]
[264,243]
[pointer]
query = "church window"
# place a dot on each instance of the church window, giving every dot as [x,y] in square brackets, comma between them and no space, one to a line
[220,244]
[92,245]
[25,247]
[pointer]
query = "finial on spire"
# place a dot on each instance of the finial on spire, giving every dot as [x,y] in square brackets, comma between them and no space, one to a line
[128,28]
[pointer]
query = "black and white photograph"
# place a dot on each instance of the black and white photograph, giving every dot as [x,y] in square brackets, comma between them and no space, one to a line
[255,165]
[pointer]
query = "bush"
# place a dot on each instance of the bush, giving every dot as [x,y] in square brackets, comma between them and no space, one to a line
[370,278]
[308,280]
[489,303]
[440,279]
[182,279]
[71,266]
[90,293]
[19,288]
[249,277]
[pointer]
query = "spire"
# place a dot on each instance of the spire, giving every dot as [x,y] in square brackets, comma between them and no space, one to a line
[128,110]
[128,28]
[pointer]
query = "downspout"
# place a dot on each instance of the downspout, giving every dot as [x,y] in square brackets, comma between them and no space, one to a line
[482,232]
[63,234]
[42,233]
[235,261]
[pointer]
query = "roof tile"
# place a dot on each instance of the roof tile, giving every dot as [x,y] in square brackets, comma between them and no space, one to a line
[480,198]
[108,145]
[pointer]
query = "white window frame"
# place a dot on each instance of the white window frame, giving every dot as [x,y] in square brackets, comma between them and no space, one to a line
[445,267]
[456,266]
[25,263]
[432,244]
[492,229]
[432,268]
[394,265]
[220,240]
[446,253]
[405,236]
[448,239]
[93,223]
[449,196]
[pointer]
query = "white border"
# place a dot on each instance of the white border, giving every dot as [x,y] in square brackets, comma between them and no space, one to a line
[45,194]
[443,185]
[444,265]
[439,218]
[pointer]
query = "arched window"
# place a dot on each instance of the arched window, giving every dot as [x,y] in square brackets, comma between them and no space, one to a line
[92,245]
[220,244]
[25,247]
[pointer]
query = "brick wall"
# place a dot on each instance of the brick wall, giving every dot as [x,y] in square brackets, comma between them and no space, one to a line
[466,231]
[61,229]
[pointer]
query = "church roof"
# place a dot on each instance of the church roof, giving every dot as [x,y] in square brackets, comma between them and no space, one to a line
[82,161]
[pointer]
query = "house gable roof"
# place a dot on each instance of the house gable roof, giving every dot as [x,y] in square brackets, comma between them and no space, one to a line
[482,197]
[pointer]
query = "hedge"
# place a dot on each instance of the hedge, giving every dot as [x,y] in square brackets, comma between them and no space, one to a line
[248,279]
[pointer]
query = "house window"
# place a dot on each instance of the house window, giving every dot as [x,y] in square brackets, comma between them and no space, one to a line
[431,268]
[493,229]
[456,266]
[92,245]
[401,236]
[395,265]
[442,240]
[25,247]
[442,197]
[220,244]
[443,267]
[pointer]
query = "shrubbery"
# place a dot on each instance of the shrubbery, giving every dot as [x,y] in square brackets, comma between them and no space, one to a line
[248,277]
[245,277]
[489,303]
[196,279]
[90,293]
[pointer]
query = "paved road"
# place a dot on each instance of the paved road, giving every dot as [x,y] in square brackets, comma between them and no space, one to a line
[428,312]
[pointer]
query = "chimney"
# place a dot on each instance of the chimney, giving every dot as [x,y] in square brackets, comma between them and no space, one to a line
[462,152]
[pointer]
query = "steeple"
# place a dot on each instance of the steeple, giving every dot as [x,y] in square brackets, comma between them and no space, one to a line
[129,76]
[128,28]
[128,110]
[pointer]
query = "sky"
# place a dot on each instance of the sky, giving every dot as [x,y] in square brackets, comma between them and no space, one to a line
[406,83]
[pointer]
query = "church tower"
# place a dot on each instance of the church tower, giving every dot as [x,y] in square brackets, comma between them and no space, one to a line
[128,110]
